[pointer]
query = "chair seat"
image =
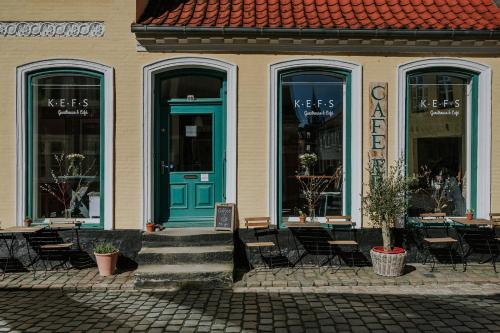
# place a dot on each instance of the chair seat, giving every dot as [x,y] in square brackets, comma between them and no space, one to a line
[342,242]
[259,244]
[56,246]
[440,240]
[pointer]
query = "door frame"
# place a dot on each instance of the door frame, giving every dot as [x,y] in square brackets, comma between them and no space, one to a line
[219,103]
[151,73]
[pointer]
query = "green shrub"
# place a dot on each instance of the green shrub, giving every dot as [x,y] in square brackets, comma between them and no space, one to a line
[104,248]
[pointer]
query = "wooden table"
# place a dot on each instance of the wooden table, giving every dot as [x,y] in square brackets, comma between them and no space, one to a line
[11,235]
[473,222]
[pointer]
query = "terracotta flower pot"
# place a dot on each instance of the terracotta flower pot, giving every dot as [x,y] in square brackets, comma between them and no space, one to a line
[388,263]
[106,263]
[302,219]
[150,227]
[469,216]
[27,223]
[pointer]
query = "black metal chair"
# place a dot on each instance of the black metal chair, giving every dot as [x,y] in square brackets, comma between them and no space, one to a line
[314,242]
[437,242]
[50,247]
[269,250]
[344,245]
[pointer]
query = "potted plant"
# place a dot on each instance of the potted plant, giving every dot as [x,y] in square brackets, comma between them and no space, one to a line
[469,214]
[150,226]
[302,217]
[27,222]
[386,202]
[106,256]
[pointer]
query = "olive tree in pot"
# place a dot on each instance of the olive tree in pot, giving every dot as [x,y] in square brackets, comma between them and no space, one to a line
[386,202]
[106,256]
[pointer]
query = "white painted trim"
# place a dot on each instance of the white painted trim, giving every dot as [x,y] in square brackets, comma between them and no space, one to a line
[22,73]
[356,129]
[148,76]
[484,119]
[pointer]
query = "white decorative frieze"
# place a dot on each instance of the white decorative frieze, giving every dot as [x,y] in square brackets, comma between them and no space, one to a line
[52,29]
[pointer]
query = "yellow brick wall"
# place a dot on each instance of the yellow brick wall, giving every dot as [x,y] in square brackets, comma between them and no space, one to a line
[118,50]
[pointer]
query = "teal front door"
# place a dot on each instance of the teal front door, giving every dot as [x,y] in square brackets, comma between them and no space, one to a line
[191,163]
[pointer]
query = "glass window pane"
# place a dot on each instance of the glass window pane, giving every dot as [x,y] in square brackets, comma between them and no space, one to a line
[191,86]
[191,142]
[66,146]
[312,107]
[438,142]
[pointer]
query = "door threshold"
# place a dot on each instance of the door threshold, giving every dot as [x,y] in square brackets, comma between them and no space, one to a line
[188,224]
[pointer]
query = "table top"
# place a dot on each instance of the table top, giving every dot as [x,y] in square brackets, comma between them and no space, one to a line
[22,230]
[302,225]
[463,220]
[63,225]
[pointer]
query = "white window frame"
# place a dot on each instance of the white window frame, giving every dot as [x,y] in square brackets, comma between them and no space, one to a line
[149,74]
[22,73]
[356,129]
[484,120]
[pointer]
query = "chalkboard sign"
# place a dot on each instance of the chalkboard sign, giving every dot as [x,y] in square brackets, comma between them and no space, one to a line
[224,216]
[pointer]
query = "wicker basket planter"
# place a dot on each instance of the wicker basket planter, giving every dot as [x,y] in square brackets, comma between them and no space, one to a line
[388,263]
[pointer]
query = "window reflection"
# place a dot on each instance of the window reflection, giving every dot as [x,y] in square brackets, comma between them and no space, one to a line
[438,142]
[312,106]
[66,146]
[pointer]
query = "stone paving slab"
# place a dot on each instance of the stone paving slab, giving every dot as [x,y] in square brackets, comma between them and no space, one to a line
[471,308]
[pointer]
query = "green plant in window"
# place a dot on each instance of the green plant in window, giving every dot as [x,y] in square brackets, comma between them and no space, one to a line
[437,187]
[69,181]
[307,162]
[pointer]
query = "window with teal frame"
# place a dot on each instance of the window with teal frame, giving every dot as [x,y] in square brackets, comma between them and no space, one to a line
[65,151]
[441,140]
[313,142]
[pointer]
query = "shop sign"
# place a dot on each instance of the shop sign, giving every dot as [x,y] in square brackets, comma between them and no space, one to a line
[378,128]
[436,107]
[69,106]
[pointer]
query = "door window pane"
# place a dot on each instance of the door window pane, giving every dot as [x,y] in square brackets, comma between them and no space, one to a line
[312,107]
[191,86]
[66,146]
[191,142]
[438,142]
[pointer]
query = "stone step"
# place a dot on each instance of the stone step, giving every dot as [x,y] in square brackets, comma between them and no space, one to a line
[186,237]
[179,276]
[186,254]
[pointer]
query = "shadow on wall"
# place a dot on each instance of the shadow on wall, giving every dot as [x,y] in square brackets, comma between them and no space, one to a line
[128,242]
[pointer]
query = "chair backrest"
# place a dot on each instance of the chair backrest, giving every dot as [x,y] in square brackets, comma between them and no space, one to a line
[342,221]
[257,222]
[495,220]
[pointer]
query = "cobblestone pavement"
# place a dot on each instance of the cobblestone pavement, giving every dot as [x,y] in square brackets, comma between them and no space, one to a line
[89,279]
[416,274]
[464,308]
[73,280]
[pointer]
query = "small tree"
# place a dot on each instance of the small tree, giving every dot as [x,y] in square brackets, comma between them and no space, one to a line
[388,198]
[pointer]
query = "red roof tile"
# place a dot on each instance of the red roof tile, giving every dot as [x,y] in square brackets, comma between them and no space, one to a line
[341,14]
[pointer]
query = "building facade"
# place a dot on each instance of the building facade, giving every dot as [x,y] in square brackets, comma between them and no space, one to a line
[125,112]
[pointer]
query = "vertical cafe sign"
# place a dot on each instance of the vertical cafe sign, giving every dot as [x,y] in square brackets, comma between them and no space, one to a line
[378,128]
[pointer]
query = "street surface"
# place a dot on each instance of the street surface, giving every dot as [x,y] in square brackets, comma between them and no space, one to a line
[453,308]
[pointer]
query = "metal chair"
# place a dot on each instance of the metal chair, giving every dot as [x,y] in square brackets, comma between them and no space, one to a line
[436,238]
[262,229]
[343,225]
[50,247]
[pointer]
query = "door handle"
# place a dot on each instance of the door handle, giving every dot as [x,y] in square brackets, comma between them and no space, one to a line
[162,167]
